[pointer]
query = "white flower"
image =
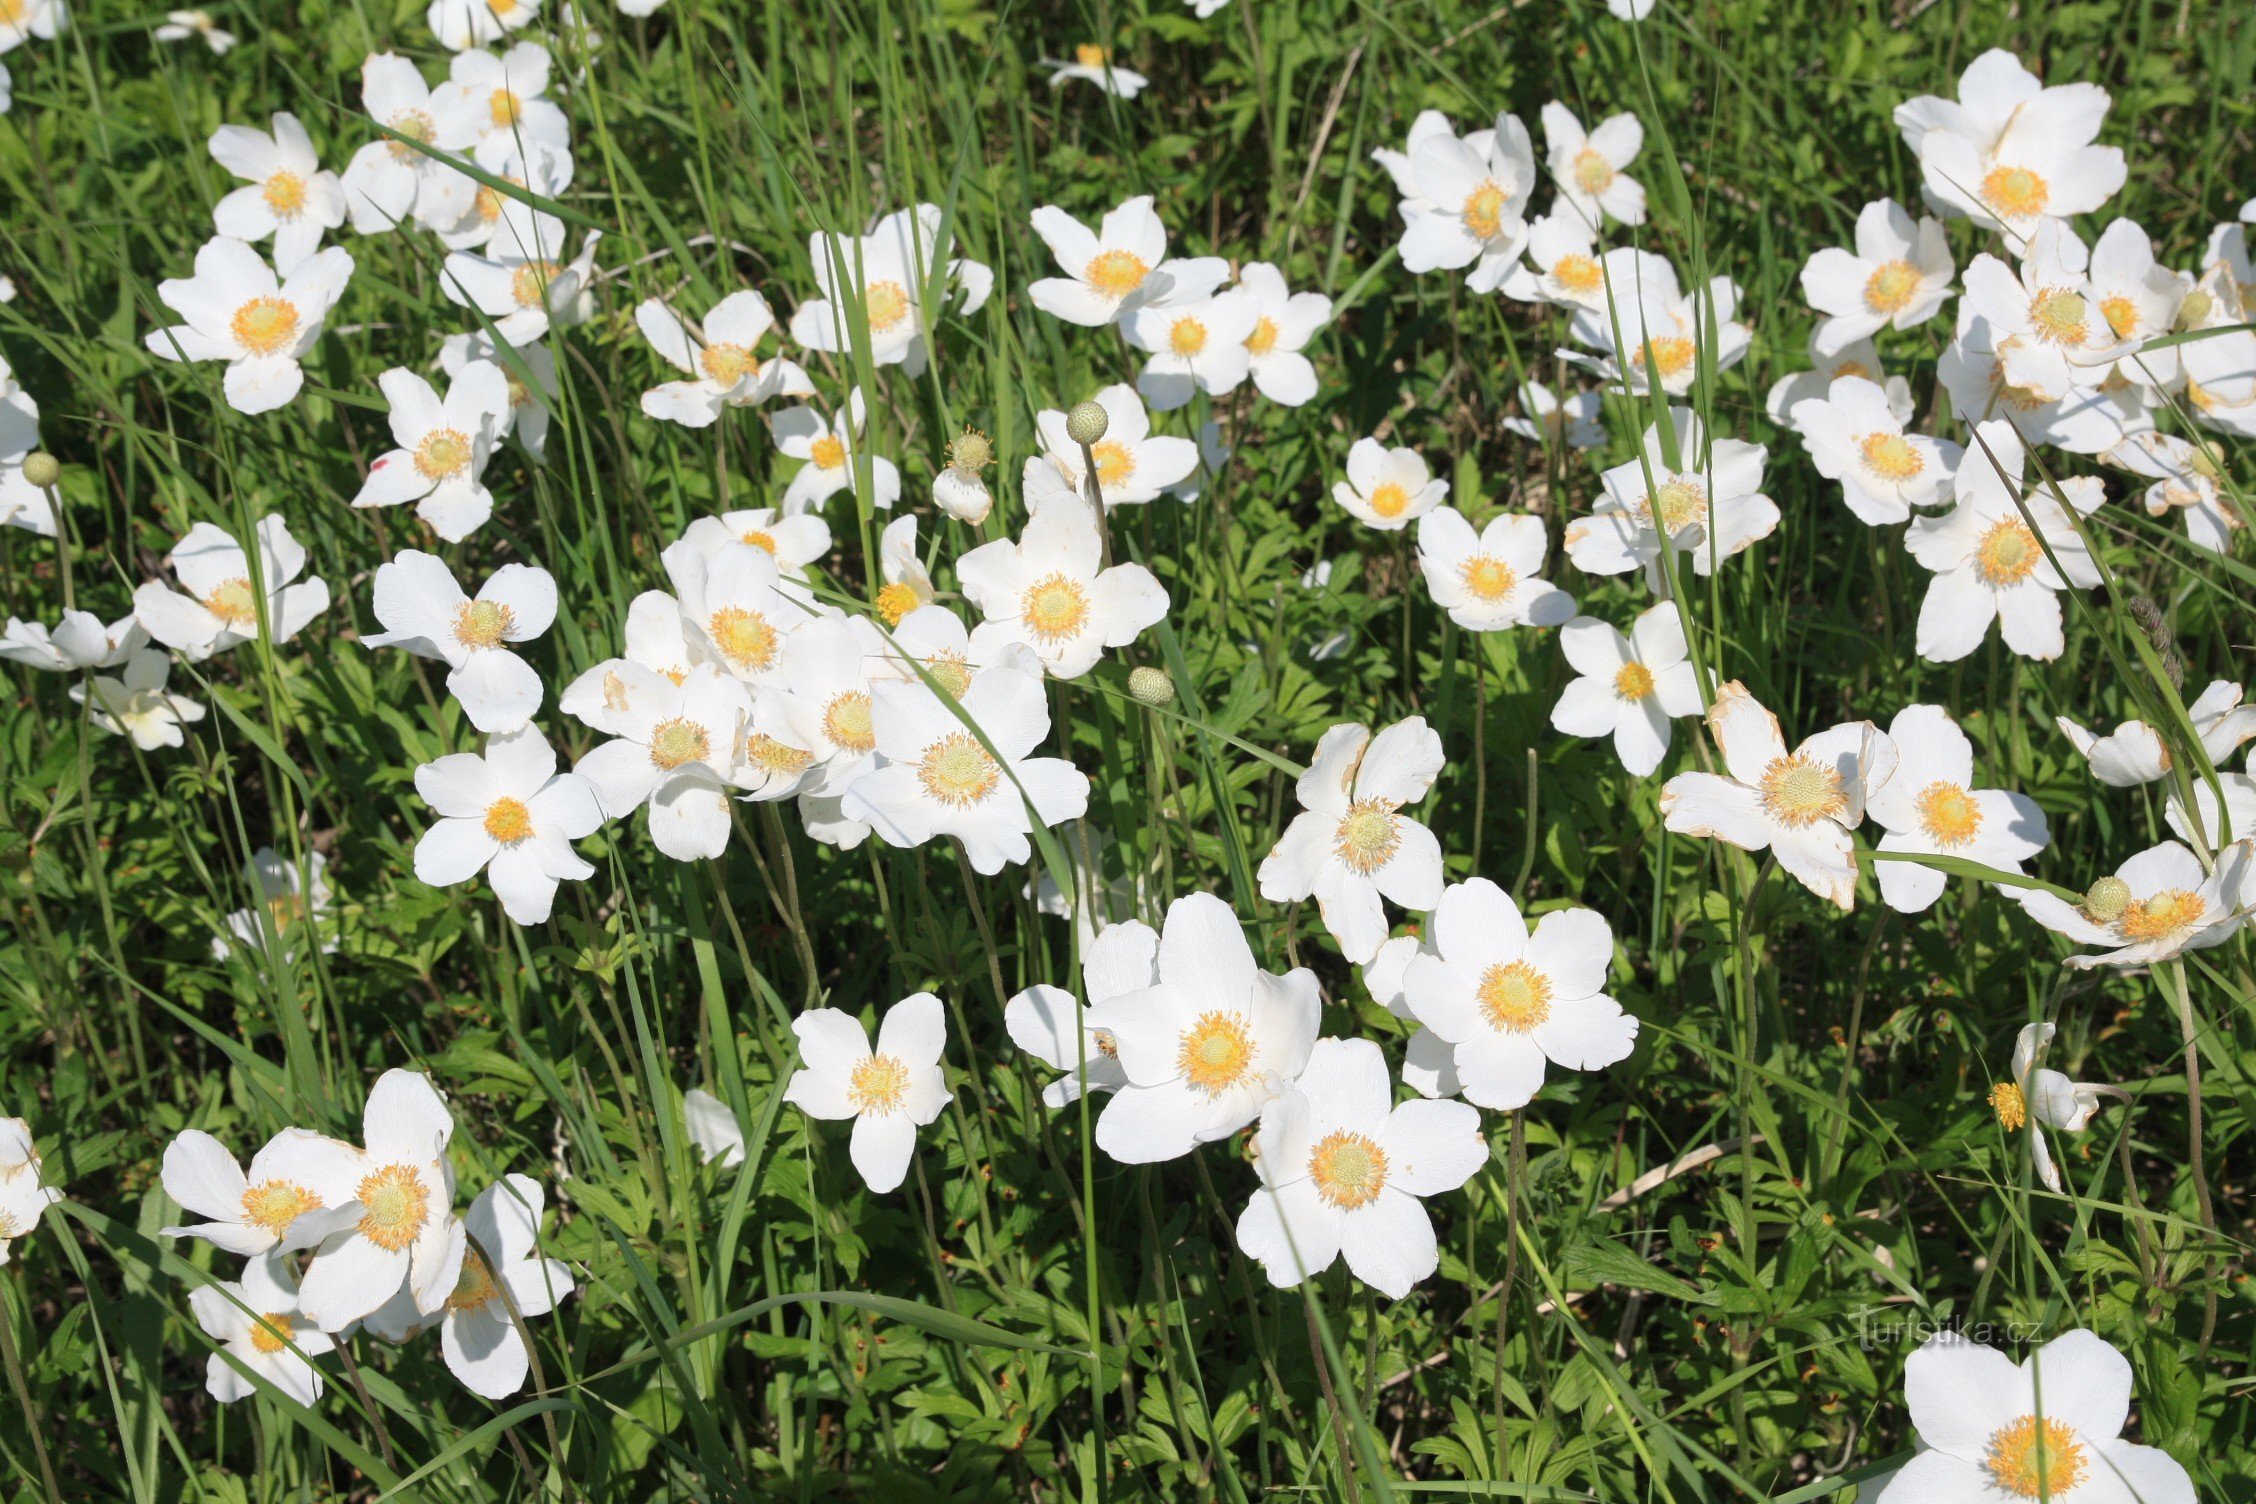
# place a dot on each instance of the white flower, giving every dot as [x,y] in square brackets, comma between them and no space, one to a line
[389,182]
[28,19]
[1563,265]
[908,584]
[1133,465]
[2186,474]
[264,1210]
[719,1137]
[1051,591]
[1206,1047]
[509,813]
[2157,906]
[78,641]
[403,1184]
[1989,565]
[1630,10]
[495,222]
[2086,419]
[820,701]
[22,504]
[889,1092]
[474,23]
[289,902]
[1711,506]
[1429,125]
[180,25]
[2010,153]
[2140,300]
[2038,1098]
[289,197]
[828,445]
[1095,64]
[1857,358]
[2217,822]
[1487,580]
[737,601]
[1284,323]
[527,413]
[23,1200]
[1855,437]
[793,542]
[1479,198]
[1044,1021]
[524,293]
[1194,346]
[2049,1428]
[486,96]
[424,611]
[1575,422]
[1343,1169]
[1630,687]
[2134,753]
[237,311]
[1657,323]
[137,705]
[938,780]
[443,448]
[723,362]
[220,605]
[959,489]
[1588,166]
[1118,269]
[1506,1002]
[1931,807]
[259,1323]
[1898,277]
[1350,844]
[1799,805]
[1388,488]
[503,1276]
[2050,336]
[675,749]
[888,274]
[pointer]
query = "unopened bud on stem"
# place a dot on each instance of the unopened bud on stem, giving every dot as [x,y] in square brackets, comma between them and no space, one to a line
[42,469]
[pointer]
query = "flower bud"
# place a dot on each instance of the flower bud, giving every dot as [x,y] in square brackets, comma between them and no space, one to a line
[42,469]
[2106,900]
[1151,686]
[1087,423]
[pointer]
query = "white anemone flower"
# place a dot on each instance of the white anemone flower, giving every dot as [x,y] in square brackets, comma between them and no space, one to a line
[828,446]
[444,445]
[1799,805]
[508,813]
[1488,580]
[1988,563]
[1193,347]
[403,1185]
[1044,1021]
[2086,419]
[218,605]
[908,584]
[1388,488]
[2157,906]
[888,274]
[1094,64]
[1709,505]
[1855,437]
[793,542]
[1647,319]
[494,221]
[1859,358]
[713,1128]
[1588,166]
[2186,476]
[486,96]
[289,197]
[424,611]
[239,312]
[2009,153]
[28,19]
[1898,277]
[2050,1428]
[1118,268]
[959,489]
[2049,333]
[258,1322]
[937,779]
[2218,822]
[890,1092]
[524,293]
[736,600]
[1285,321]
[1930,807]
[1351,843]
[820,701]
[77,642]
[252,1212]
[23,1199]
[1208,1045]
[136,703]
[289,902]
[22,504]
[2140,299]
[1630,687]
[723,362]
[480,1338]
[1427,126]
[389,182]
[1344,1169]
[181,25]
[2045,1097]
[460,24]
[674,749]
[1577,422]
[1562,267]
[527,413]
[2134,753]
[1050,590]
[1479,196]
[1134,465]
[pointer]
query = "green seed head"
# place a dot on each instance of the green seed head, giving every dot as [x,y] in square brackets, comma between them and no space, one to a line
[2107,899]
[1151,686]
[1087,423]
[42,469]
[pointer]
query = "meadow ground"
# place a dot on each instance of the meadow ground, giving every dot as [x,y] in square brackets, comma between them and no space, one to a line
[1705,1253]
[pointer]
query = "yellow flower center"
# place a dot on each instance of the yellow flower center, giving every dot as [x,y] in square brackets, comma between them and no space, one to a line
[2015,192]
[726,365]
[678,741]
[1949,814]
[1890,286]
[234,604]
[2166,912]
[2008,552]
[951,671]
[1634,682]
[1514,997]
[1854,368]
[1368,834]
[1115,273]
[529,283]
[283,912]
[265,325]
[743,637]
[1484,210]
[1089,55]
[887,304]
[1683,502]
[957,771]
[765,541]
[778,759]
[393,1206]
[508,821]
[416,126]
[1115,463]
[1578,273]
[482,624]
[474,1287]
[2122,315]
[1389,499]
[1672,354]
[1891,456]
[504,109]
[1216,1052]
[2011,1107]
[285,194]
[1264,336]
[1349,1170]
[1593,174]
[896,601]
[2035,1459]
[1186,337]
[1489,579]
[502,8]
[1054,608]
[2059,316]
[846,721]
[1798,792]
[272,1205]
[827,452]
[443,452]
[878,1084]
[270,1333]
